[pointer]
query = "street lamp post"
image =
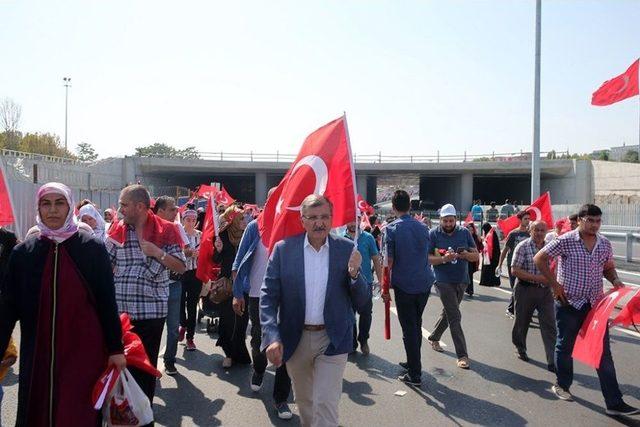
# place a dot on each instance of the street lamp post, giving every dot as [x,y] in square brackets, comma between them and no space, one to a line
[67,85]
[535,154]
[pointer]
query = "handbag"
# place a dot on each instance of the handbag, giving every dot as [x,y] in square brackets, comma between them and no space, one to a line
[221,290]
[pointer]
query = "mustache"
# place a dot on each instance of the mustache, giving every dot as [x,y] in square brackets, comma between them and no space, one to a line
[321,228]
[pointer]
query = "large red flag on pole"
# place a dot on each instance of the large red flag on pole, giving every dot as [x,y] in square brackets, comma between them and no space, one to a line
[618,88]
[540,209]
[224,198]
[6,210]
[323,166]
[207,270]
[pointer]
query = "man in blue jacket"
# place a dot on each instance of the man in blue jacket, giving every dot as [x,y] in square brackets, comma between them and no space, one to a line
[313,281]
[248,272]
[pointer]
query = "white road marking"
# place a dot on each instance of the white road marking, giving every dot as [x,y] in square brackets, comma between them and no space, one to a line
[627,331]
[495,288]
[425,333]
[631,273]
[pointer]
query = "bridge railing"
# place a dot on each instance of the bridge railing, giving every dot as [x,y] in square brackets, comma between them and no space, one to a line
[43,157]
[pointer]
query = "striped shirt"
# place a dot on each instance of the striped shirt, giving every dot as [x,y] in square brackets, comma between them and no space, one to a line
[580,272]
[194,243]
[523,256]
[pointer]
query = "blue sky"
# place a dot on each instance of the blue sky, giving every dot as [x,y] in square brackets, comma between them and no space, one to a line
[413,77]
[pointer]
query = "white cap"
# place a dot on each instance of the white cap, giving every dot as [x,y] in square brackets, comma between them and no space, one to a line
[447,210]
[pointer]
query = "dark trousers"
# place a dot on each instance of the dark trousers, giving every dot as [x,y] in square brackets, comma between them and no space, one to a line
[410,308]
[512,283]
[362,327]
[150,333]
[529,298]
[470,285]
[232,332]
[569,321]
[451,295]
[191,288]
[282,385]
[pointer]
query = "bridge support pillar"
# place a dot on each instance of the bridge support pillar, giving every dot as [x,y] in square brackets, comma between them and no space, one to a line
[261,187]
[361,183]
[466,192]
[372,190]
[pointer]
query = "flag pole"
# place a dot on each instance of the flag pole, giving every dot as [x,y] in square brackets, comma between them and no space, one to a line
[353,179]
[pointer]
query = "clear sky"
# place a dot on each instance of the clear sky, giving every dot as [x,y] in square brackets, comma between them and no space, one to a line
[413,77]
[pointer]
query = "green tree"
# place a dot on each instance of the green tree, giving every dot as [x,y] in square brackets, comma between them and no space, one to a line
[603,155]
[163,150]
[43,143]
[631,156]
[552,155]
[86,152]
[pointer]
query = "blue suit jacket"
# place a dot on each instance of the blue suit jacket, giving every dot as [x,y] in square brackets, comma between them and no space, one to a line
[244,259]
[283,298]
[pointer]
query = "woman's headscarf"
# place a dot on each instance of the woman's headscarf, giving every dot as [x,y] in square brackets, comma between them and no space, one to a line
[232,218]
[91,210]
[70,226]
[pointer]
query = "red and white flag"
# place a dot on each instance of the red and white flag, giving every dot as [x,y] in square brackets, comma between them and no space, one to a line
[223,198]
[6,209]
[540,209]
[323,166]
[207,269]
[630,313]
[364,206]
[206,191]
[618,88]
[364,222]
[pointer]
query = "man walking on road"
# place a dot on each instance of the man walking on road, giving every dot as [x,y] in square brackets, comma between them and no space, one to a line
[451,248]
[585,257]
[298,328]
[532,293]
[515,236]
[407,242]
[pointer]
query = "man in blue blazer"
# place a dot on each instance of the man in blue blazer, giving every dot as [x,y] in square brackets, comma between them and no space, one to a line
[312,282]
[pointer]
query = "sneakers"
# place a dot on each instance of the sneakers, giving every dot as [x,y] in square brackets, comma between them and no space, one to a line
[181,333]
[284,413]
[622,409]
[191,346]
[364,348]
[509,314]
[256,381]
[404,365]
[522,356]
[463,363]
[170,368]
[435,345]
[410,381]
[561,393]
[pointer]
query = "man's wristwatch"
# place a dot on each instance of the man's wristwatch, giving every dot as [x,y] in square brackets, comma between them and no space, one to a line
[164,255]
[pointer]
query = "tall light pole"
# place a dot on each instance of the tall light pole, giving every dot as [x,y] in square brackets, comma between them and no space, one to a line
[67,85]
[535,153]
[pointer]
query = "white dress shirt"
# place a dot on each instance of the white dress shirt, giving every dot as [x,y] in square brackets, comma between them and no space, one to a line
[316,275]
[258,269]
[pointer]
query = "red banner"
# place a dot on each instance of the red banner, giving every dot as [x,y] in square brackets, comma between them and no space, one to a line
[618,88]
[630,313]
[540,209]
[207,191]
[223,198]
[207,269]
[6,210]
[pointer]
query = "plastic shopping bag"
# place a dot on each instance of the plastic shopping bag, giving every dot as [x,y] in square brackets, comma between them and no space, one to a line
[127,404]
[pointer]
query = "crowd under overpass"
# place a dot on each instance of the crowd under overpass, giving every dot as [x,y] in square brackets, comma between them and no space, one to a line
[569,181]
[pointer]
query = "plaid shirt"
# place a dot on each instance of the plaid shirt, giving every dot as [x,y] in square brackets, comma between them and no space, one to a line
[523,256]
[142,282]
[579,272]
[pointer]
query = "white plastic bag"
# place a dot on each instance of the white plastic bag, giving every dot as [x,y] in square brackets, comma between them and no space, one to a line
[127,404]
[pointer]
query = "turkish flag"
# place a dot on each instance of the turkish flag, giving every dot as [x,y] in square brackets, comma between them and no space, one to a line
[364,222]
[323,166]
[540,209]
[618,88]
[223,198]
[630,313]
[6,211]
[207,269]
[206,191]
[590,340]
[469,218]
[488,244]
[364,206]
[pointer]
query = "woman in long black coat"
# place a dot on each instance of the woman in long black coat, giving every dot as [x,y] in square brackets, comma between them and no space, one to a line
[491,243]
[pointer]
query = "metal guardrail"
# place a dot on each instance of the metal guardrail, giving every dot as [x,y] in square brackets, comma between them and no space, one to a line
[629,237]
[43,157]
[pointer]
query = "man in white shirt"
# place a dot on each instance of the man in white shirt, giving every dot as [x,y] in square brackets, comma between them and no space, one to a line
[298,328]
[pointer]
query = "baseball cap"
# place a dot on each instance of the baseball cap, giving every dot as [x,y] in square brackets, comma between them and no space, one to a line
[447,210]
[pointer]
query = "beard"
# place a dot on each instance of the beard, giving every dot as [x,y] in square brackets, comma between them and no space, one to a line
[448,229]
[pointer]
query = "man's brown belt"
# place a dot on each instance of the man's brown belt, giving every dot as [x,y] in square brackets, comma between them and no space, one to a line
[313,327]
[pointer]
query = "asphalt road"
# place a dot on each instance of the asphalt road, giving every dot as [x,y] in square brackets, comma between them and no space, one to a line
[498,390]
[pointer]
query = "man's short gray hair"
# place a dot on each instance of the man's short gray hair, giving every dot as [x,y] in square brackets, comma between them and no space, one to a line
[314,201]
[137,194]
[533,224]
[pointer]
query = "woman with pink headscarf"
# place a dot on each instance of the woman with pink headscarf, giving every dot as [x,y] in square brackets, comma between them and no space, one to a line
[59,285]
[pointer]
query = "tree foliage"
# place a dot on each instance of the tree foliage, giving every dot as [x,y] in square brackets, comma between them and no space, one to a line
[163,150]
[86,152]
[631,156]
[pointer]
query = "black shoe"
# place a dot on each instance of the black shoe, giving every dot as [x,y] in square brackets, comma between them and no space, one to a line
[256,381]
[551,368]
[622,409]
[411,381]
[522,356]
[284,413]
[404,365]
[170,368]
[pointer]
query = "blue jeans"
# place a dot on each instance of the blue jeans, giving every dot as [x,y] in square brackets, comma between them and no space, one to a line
[568,322]
[173,321]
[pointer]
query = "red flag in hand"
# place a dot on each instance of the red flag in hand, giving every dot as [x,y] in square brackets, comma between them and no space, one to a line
[223,198]
[618,88]
[630,313]
[206,191]
[540,209]
[6,211]
[590,340]
[323,166]
[488,244]
[364,206]
[207,269]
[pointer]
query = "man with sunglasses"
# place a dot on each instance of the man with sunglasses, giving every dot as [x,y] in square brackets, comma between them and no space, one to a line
[585,257]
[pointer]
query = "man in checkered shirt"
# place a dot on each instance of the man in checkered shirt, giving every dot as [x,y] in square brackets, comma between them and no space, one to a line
[141,276]
[584,258]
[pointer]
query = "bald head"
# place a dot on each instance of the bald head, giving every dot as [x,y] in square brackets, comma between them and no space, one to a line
[538,231]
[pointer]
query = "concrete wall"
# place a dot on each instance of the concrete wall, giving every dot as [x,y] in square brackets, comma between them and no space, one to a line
[616,182]
[575,187]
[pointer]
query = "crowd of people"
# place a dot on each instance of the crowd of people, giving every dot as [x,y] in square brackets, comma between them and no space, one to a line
[77,270]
